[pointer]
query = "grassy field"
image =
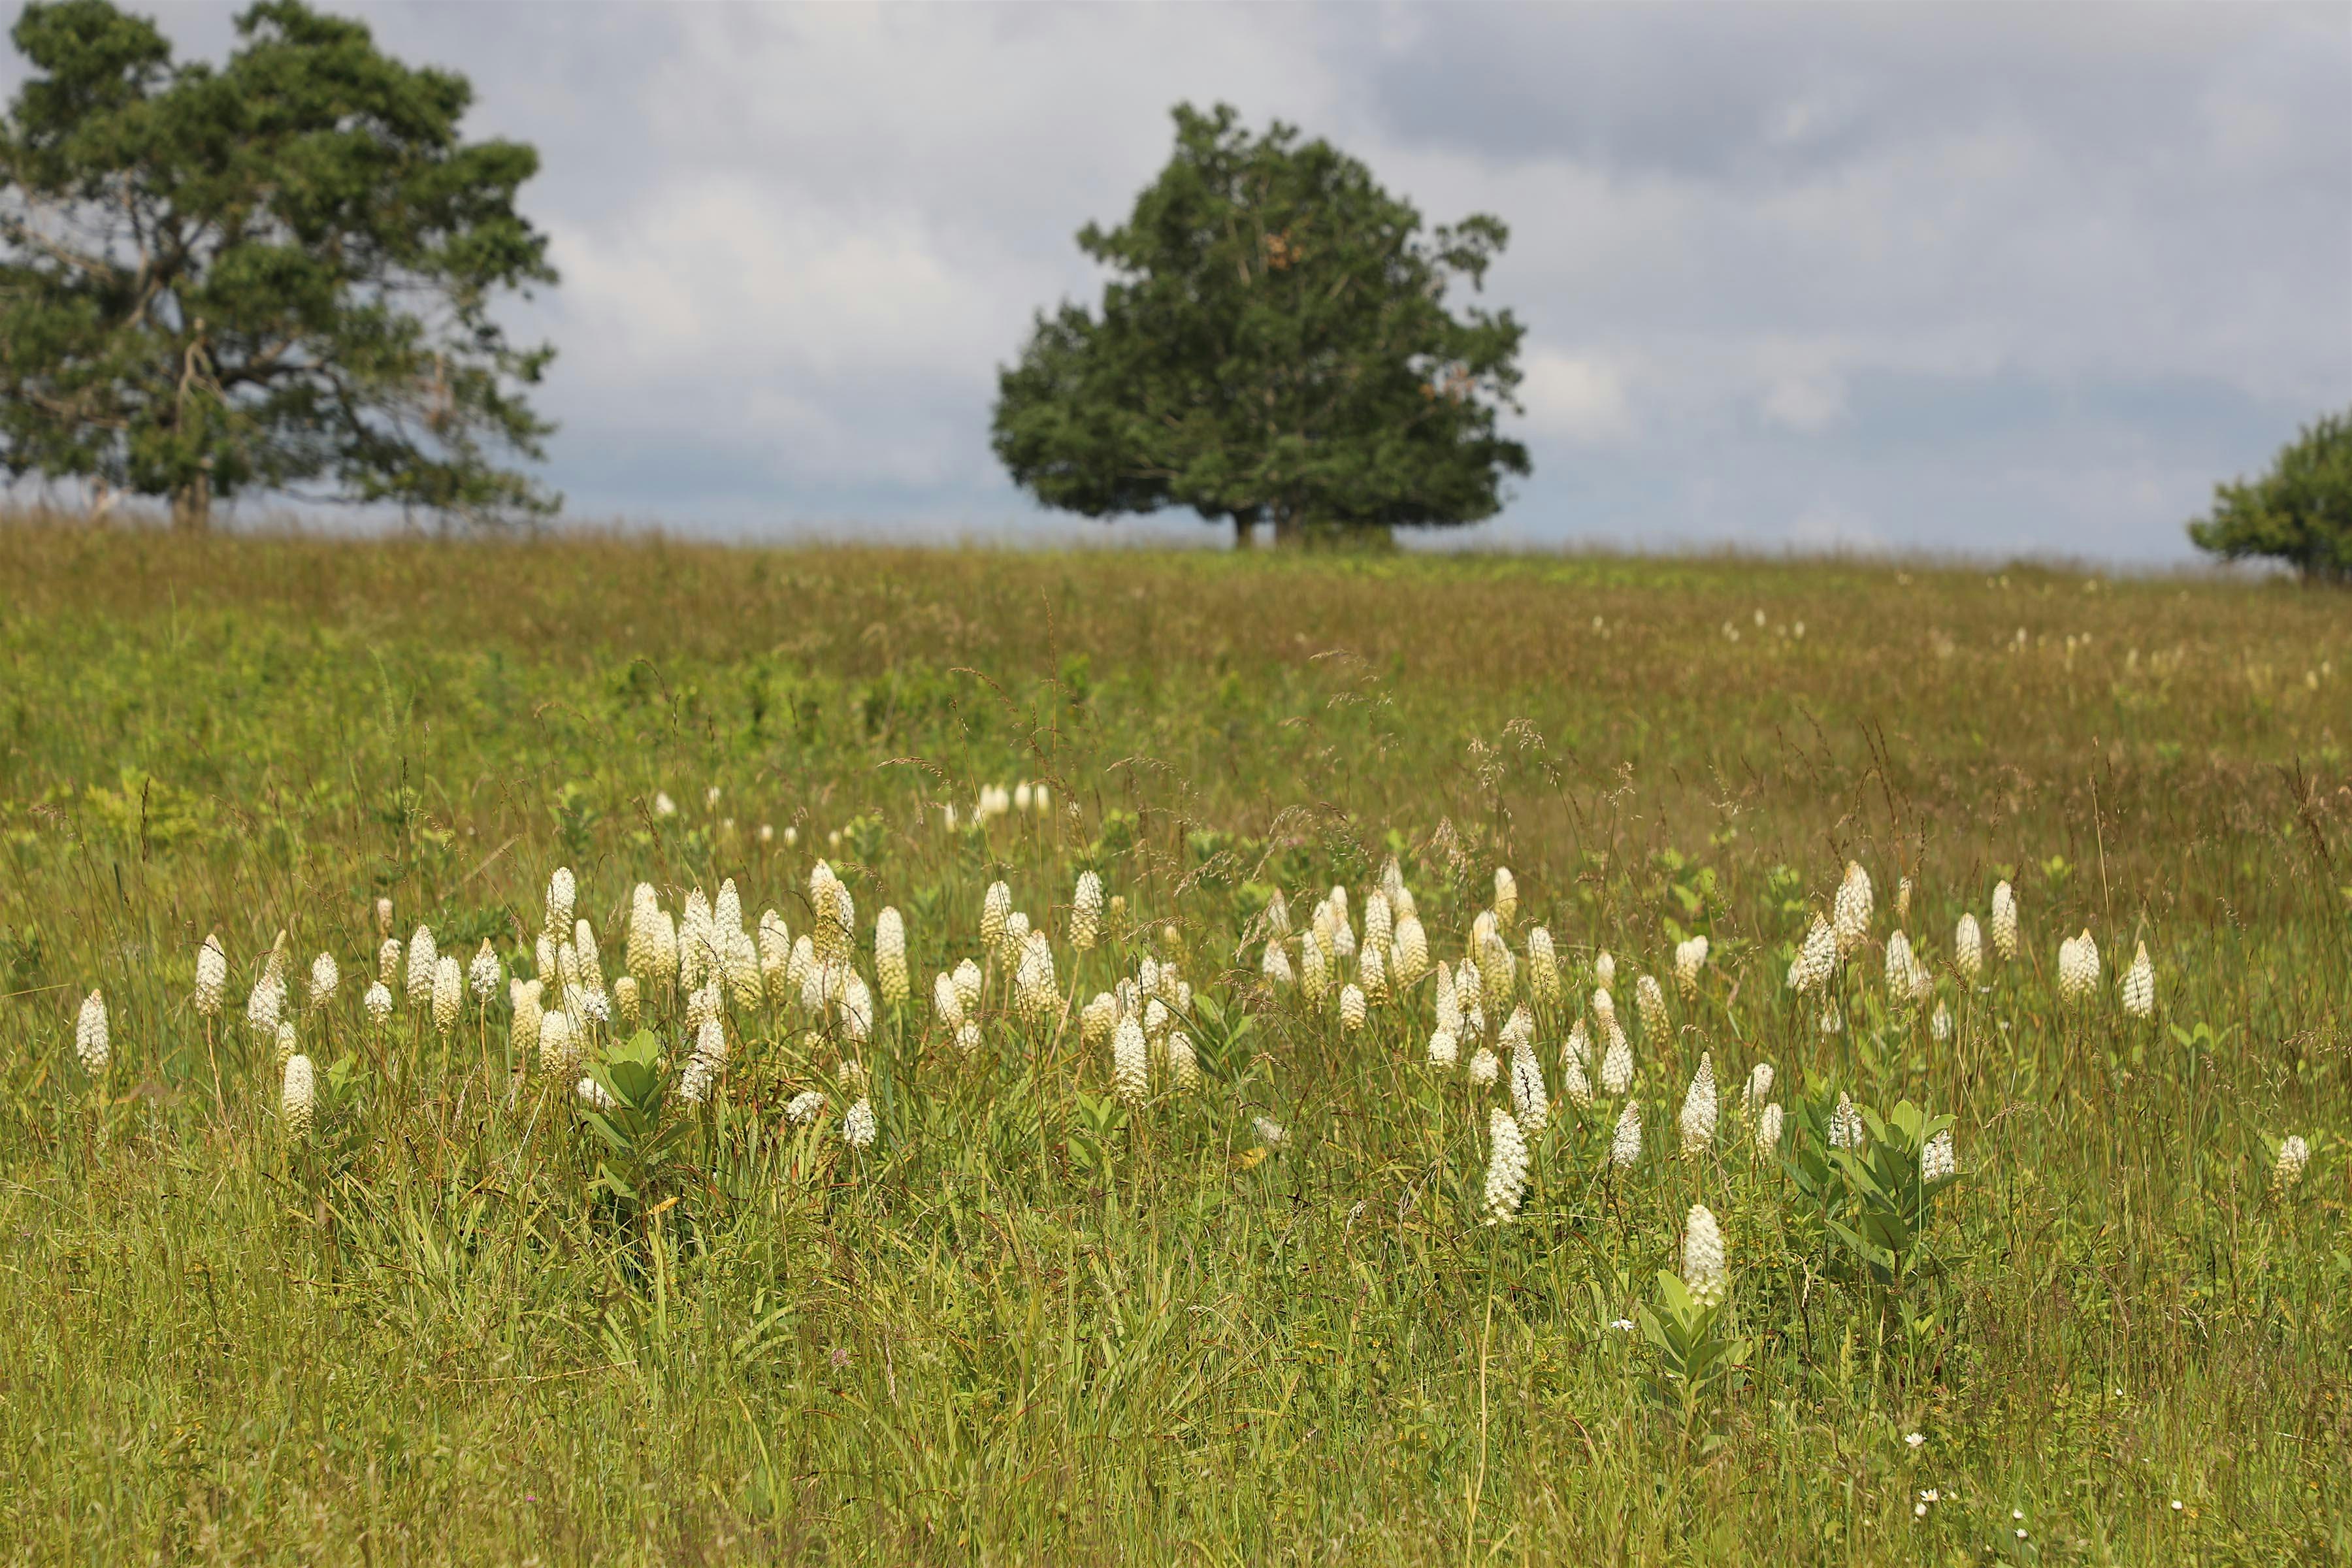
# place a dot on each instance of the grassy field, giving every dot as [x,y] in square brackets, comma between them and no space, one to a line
[446,1307]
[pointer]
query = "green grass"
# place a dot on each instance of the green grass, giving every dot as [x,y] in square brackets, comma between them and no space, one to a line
[1032,1324]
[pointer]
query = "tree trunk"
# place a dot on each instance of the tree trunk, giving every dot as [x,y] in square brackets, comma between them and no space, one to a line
[1244,532]
[192,505]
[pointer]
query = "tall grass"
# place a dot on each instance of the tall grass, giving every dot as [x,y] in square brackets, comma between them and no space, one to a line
[1033,1320]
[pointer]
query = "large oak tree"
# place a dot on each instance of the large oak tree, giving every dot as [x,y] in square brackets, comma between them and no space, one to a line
[273,274]
[1275,345]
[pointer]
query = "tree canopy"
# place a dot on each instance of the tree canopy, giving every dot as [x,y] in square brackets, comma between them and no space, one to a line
[1274,344]
[2300,512]
[274,274]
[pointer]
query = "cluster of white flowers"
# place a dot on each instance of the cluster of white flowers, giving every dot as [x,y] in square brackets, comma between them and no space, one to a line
[2139,986]
[1506,1167]
[2078,968]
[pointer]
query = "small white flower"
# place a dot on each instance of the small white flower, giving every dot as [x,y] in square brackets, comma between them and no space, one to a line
[1914,1438]
[804,1107]
[858,1128]
[1269,1132]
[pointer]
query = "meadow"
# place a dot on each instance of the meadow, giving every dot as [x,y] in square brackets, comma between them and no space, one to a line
[1263,1192]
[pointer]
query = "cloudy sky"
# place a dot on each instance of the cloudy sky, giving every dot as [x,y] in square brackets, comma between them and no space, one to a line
[1985,278]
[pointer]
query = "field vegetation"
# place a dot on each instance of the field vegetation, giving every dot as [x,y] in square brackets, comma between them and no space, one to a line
[1143,1245]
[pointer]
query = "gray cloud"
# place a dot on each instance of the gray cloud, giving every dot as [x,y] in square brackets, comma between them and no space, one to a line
[1989,278]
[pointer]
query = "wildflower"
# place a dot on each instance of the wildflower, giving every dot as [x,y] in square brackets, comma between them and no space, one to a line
[1130,1063]
[212,977]
[1314,979]
[2078,968]
[448,993]
[1543,968]
[967,984]
[2293,1154]
[1832,1021]
[1575,1085]
[1850,912]
[1507,895]
[1940,1026]
[1690,957]
[1485,1068]
[1469,997]
[1650,1000]
[1604,970]
[485,973]
[857,1007]
[624,999]
[378,1003]
[1268,1132]
[592,966]
[1086,912]
[1967,947]
[947,1003]
[298,1095]
[1528,1103]
[663,805]
[1351,1008]
[1704,1273]
[1276,966]
[1768,1130]
[1409,958]
[1578,1047]
[384,917]
[804,1107]
[858,1128]
[424,962]
[1373,972]
[1903,901]
[91,1042]
[1760,1087]
[1183,1062]
[1913,1439]
[1444,1049]
[325,975]
[1845,1124]
[1937,1160]
[1506,1167]
[995,908]
[594,1095]
[891,957]
[1697,1119]
[263,1003]
[286,1043]
[967,1035]
[2139,986]
[559,1047]
[560,896]
[704,1065]
[1625,1147]
[2004,921]
[1380,925]
[1617,1064]
[1905,976]
[1817,960]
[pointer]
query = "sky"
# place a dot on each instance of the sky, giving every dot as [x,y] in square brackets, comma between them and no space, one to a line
[1976,279]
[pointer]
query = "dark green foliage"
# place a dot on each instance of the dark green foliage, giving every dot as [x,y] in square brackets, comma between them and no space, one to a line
[271,275]
[2300,512]
[1275,346]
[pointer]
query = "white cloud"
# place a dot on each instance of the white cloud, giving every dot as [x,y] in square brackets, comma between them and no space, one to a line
[1805,403]
[1576,397]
